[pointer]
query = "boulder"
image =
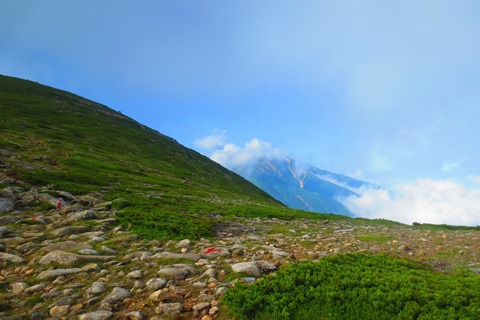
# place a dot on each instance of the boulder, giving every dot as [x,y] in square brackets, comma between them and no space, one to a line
[67,231]
[10,257]
[70,246]
[66,258]
[250,268]
[97,315]
[6,204]
[177,271]
[156,284]
[117,295]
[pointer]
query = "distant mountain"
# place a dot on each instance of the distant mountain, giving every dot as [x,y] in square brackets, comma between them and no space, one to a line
[302,186]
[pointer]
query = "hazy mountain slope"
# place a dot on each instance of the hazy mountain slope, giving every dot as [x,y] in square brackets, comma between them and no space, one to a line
[302,186]
[52,137]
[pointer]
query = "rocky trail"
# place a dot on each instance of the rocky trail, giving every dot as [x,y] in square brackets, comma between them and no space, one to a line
[75,262]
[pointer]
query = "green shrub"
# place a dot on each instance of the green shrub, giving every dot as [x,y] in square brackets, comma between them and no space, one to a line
[358,286]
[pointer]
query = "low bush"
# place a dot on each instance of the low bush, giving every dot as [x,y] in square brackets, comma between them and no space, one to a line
[358,286]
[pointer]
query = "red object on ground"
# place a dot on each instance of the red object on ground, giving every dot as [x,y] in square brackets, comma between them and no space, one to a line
[59,205]
[34,217]
[210,250]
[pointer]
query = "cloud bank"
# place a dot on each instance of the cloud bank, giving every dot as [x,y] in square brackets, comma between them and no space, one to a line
[216,139]
[232,156]
[423,200]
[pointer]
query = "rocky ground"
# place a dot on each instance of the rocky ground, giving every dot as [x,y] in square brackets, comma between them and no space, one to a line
[76,262]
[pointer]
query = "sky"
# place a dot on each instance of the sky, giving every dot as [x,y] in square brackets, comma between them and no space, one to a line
[383,91]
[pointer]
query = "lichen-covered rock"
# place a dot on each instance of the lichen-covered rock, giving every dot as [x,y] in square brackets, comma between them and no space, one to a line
[70,246]
[67,258]
[156,284]
[117,295]
[177,271]
[250,268]
[67,231]
[10,257]
[97,315]
[97,288]
[169,309]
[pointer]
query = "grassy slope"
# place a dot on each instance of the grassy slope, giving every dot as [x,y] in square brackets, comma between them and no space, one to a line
[80,146]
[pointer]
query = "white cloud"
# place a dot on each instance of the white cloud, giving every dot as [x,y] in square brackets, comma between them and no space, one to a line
[423,200]
[216,139]
[474,179]
[232,156]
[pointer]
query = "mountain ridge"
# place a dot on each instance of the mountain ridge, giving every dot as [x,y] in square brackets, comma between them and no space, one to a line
[302,186]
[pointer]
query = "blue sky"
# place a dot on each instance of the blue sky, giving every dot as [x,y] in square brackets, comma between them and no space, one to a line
[386,91]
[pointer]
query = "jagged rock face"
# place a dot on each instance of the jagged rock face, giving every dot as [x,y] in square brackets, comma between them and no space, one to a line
[76,262]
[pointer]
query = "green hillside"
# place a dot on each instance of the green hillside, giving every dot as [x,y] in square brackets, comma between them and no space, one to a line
[52,137]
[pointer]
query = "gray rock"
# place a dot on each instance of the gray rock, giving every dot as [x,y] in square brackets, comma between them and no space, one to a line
[10,257]
[156,284]
[88,200]
[174,273]
[63,301]
[70,246]
[8,220]
[199,284]
[34,289]
[171,255]
[169,308]
[66,195]
[36,315]
[210,273]
[279,254]
[61,257]
[67,231]
[199,307]
[134,315]
[178,271]
[97,315]
[4,232]
[117,295]
[6,204]
[250,268]
[30,197]
[89,252]
[97,239]
[50,274]
[185,243]
[136,274]
[218,252]
[108,250]
[97,288]
[67,258]
[82,215]
[266,266]
[50,199]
